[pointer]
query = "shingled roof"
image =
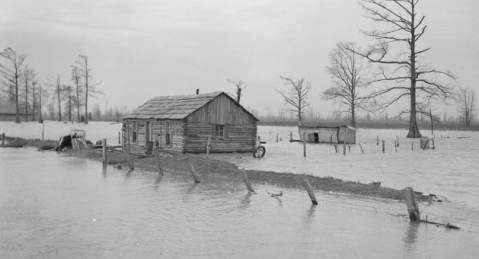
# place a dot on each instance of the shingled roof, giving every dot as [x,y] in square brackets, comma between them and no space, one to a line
[175,107]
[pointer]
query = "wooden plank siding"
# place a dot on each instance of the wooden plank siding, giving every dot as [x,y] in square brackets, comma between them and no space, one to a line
[221,110]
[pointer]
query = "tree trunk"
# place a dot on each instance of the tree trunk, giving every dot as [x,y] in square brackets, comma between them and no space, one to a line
[413,128]
[26,97]
[17,120]
[59,104]
[353,116]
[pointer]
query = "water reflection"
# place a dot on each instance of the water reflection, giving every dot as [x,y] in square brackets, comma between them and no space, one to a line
[103,170]
[128,174]
[410,238]
[192,187]
[245,201]
[310,213]
[158,179]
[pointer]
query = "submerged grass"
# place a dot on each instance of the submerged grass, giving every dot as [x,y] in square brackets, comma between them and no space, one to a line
[174,163]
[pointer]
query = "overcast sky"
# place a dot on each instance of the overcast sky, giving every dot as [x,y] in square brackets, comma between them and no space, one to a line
[146,48]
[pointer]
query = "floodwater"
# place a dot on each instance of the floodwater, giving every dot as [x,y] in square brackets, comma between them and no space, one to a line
[53,206]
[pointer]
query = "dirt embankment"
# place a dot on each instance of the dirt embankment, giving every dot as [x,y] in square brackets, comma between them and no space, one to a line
[173,162]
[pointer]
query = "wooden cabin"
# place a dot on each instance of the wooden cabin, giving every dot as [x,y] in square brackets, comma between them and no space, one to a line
[328,134]
[184,123]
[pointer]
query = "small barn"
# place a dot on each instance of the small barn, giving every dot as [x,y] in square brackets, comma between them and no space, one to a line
[185,123]
[328,134]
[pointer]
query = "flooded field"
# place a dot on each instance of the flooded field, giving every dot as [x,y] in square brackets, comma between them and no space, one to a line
[52,206]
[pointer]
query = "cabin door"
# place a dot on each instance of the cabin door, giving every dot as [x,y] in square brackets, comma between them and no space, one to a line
[168,134]
[147,132]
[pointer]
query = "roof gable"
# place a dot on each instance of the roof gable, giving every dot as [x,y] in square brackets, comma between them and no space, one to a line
[174,107]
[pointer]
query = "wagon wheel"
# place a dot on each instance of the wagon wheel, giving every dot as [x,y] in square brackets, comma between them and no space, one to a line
[259,152]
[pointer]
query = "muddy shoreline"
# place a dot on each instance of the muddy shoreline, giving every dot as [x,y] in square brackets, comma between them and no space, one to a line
[207,167]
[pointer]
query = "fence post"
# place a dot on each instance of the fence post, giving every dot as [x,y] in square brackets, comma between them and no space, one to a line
[208,147]
[411,203]
[246,181]
[304,143]
[412,145]
[3,138]
[104,152]
[377,141]
[277,137]
[290,136]
[309,189]
[361,148]
[192,170]
[384,146]
[397,141]
[432,140]
[119,137]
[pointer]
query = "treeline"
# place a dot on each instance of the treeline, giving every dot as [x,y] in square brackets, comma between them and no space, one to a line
[57,98]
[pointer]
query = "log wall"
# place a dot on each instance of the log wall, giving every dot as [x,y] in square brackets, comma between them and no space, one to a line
[158,133]
[238,138]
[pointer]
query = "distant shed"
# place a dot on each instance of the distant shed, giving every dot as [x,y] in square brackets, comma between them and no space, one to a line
[8,111]
[185,122]
[328,134]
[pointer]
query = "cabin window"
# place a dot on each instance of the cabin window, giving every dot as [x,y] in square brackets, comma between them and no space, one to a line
[219,131]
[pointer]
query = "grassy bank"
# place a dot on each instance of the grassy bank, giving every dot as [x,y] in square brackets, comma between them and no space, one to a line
[173,163]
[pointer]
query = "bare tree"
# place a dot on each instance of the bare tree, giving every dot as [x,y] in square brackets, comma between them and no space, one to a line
[465,99]
[401,73]
[239,88]
[34,95]
[57,90]
[348,72]
[76,78]
[85,72]
[297,96]
[12,73]
[27,76]
[70,100]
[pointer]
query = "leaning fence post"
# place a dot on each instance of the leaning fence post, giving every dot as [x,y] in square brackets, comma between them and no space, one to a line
[246,181]
[304,143]
[309,189]
[361,148]
[411,203]
[384,146]
[104,152]
[192,170]
[208,147]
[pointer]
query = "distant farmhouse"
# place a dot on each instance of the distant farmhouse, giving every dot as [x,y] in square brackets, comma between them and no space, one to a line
[185,122]
[8,112]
